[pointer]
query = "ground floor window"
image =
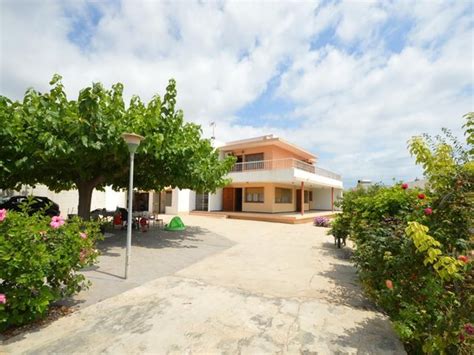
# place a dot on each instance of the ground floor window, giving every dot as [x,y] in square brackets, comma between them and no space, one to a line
[306,196]
[202,201]
[140,201]
[254,194]
[283,195]
[168,198]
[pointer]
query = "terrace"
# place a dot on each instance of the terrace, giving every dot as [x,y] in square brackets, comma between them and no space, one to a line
[281,164]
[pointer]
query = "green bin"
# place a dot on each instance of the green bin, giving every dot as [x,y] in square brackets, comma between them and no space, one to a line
[176,224]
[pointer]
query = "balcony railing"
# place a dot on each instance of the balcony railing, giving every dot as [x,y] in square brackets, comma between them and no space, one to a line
[283,164]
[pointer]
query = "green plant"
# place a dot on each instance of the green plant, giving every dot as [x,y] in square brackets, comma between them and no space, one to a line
[423,281]
[65,144]
[41,257]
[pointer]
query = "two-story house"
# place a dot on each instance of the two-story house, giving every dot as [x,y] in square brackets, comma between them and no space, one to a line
[270,176]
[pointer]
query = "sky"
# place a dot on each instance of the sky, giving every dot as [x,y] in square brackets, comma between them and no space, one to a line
[350,81]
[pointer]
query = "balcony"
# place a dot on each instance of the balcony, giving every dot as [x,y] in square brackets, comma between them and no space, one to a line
[287,163]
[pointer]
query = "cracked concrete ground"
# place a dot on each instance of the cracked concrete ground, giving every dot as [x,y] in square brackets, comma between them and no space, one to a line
[278,289]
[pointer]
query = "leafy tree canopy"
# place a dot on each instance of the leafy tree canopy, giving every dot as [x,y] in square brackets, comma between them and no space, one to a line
[65,144]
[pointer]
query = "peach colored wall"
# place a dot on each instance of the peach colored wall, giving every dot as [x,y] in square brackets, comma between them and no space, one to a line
[266,206]
[280,153]
[267,152]
[270,152]
[269,204]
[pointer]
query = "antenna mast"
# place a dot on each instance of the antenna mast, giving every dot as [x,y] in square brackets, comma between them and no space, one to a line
[213,125]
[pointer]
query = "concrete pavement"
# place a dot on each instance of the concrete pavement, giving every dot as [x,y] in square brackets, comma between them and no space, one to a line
[278,289]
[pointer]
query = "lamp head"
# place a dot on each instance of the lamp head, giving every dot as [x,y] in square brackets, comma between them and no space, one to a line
[133,141]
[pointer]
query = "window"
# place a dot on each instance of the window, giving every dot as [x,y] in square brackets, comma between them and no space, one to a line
[254,161]
[283,195]
[254,157]
[254,194]
[168,198]
[202,201]
[306,196]
[311,196]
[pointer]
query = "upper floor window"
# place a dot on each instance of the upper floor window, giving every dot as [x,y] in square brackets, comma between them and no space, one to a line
[254,157]
[254,161]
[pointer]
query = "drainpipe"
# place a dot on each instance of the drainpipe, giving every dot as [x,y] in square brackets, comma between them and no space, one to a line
[302,198]
[332,198]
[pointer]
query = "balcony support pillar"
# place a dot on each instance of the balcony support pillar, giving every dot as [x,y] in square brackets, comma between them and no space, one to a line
[302,198]
[332,199]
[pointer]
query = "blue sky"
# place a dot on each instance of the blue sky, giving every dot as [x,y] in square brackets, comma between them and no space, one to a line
[351,81]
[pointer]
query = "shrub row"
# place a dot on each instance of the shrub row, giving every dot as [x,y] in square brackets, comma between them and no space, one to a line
[413,248]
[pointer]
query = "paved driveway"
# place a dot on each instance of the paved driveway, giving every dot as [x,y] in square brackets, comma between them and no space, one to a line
[274,289]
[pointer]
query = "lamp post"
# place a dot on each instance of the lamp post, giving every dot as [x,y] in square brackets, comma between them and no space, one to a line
[133,141]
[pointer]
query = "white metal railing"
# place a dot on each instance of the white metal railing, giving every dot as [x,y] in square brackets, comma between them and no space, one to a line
[327,173]
[283,164]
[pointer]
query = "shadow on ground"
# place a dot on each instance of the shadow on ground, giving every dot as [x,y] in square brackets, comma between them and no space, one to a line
[372,331]
[347,289]
[154,238]
[154,254]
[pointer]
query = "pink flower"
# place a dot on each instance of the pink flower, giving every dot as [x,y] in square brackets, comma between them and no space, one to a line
[83,235]
[463,258]
[428,211]
[3,298]
[56,222]
[3,214]
[404,186]
[389,284]
[421,196]
[469,328]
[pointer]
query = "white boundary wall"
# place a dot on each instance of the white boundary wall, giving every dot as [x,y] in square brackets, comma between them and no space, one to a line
[69,200]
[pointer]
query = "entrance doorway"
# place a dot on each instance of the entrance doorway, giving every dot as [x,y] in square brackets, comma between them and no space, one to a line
[238,199]
[228,199]
[298,200]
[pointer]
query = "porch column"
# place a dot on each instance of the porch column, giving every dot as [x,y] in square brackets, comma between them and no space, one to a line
[302,198]
[332,199]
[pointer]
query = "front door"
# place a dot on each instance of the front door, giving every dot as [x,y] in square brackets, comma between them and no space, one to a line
[228,199]
[298,200]
[238,199]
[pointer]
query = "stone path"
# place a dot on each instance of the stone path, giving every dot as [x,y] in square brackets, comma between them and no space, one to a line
[278,289]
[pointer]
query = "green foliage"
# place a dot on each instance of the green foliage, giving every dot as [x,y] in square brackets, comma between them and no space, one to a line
[40,263]
[446,266]
[64,144]
[415,276]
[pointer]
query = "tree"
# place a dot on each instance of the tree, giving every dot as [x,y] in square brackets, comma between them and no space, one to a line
[66,144]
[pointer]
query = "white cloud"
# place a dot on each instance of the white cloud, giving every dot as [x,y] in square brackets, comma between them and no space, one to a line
[356,107]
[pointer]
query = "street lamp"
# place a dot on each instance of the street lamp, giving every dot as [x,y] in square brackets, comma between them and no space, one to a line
[133,141]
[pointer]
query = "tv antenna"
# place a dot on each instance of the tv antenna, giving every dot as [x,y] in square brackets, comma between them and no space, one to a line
[213,125]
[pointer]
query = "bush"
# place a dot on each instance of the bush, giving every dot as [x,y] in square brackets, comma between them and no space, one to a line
[321,222]
[412,248]
[41,257]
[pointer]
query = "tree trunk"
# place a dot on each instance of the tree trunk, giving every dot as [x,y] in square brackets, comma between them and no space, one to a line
[85,189]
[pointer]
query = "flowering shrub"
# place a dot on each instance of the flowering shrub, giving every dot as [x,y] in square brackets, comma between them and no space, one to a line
[41,257]
[412,247]
[321,222]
